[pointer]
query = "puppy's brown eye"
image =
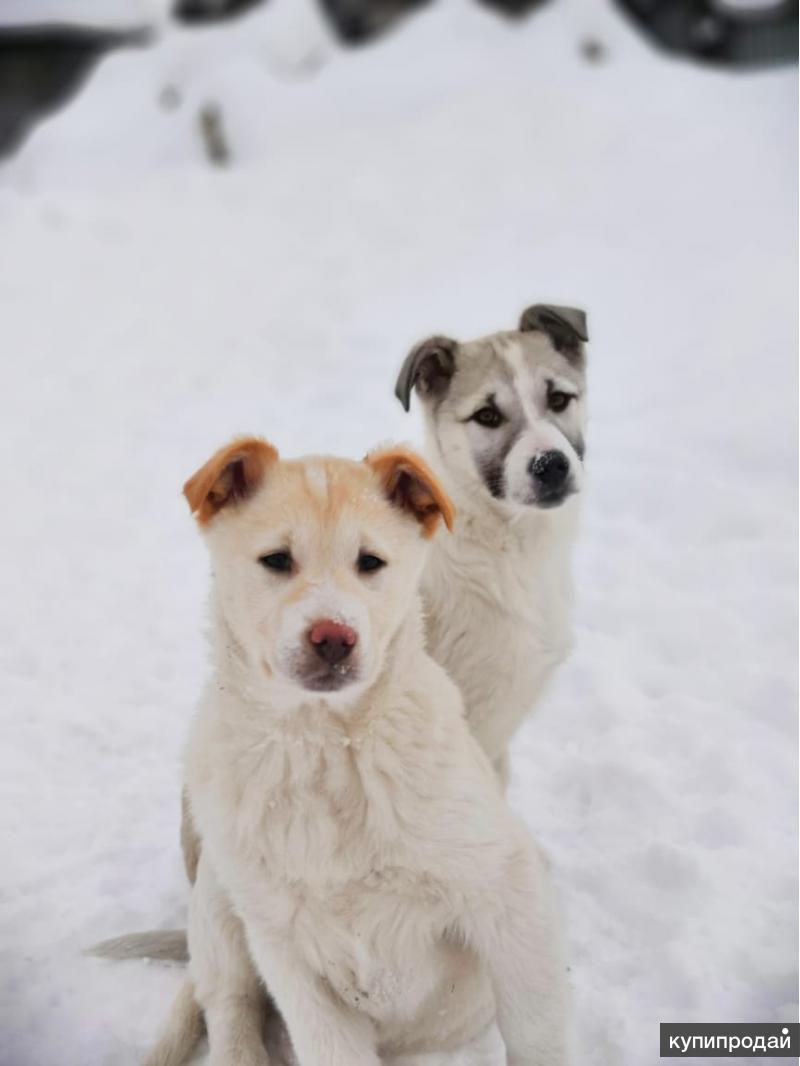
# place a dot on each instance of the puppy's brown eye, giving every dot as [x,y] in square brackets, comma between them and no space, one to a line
[368,564]
[280,562]
[489,417]
[559,401]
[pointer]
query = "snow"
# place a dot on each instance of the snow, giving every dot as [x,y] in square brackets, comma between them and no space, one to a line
[153,306]
[101,14]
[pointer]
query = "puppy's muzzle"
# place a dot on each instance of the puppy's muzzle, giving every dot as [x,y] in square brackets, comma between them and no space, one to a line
[332,641]
[549,472]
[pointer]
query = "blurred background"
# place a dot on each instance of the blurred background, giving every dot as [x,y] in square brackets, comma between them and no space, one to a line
[227,216]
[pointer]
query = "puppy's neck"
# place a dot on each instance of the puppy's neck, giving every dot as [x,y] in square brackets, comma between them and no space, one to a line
[266,701]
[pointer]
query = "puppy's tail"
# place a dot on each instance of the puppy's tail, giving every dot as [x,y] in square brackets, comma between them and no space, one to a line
[185,1025]
[183,1031]
[166,945]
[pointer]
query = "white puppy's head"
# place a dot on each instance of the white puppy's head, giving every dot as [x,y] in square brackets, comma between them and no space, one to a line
[507,413]
[316,561]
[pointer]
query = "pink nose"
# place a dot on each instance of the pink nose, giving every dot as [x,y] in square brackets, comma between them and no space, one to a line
[332,641]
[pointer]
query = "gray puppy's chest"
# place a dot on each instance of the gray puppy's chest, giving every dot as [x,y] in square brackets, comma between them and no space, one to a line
[500,624]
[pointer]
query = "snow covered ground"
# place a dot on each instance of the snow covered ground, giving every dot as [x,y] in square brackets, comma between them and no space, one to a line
[152,306]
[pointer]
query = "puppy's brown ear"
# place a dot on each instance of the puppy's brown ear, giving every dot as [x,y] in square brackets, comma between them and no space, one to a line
[565,326]
[230,476]
[410,484]
[429,366]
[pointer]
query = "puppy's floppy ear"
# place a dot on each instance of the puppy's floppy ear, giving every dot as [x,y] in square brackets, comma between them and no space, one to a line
[231,475]
[410,484]
[429,366]
[565,326]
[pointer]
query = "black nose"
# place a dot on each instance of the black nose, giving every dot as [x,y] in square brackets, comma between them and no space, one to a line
[550,470]
[333,650]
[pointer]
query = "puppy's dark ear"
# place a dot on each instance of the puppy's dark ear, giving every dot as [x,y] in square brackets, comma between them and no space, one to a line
[565,326]
[430,366]
[230,476]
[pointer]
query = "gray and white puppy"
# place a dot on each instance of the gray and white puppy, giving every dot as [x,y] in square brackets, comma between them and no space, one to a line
[505,421]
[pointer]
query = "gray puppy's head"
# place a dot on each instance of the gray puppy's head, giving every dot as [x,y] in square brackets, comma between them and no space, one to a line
[507,412]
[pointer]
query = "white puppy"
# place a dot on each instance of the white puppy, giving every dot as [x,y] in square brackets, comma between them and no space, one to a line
[356,844]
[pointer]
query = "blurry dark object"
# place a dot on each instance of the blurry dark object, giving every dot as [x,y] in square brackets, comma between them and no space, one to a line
[41,67]
[592,50]
[356,21]
[212,131]
[194,11]
[514,7]
[353,20]
[720,32]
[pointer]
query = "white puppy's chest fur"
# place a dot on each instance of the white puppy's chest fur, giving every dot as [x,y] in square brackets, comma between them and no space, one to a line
[498,600]
[326,827]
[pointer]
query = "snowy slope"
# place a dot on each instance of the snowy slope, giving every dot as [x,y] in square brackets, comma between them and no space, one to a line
[152,306]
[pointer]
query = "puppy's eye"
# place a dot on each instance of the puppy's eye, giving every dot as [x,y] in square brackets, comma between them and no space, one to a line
[280,562]
[368,564]
[489,417]
[559,401]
